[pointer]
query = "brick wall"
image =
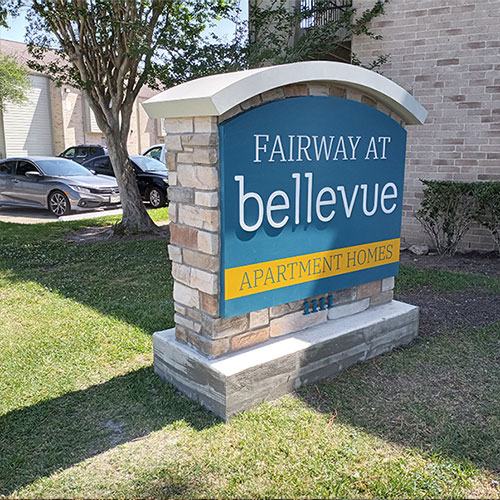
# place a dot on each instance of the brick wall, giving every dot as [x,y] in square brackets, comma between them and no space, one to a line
[446,54]
[192,159]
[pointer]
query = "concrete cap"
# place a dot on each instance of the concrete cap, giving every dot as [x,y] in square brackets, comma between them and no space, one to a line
[214,95]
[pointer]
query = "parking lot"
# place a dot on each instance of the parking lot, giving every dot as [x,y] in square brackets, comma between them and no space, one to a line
[37,216]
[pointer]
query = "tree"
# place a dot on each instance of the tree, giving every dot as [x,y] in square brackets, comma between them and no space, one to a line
[276,34]
[7,7]
[110,49]
[320,30]
[14,81]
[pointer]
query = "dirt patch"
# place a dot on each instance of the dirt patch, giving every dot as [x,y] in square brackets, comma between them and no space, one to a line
[99,234]
[473,263]
[444,310]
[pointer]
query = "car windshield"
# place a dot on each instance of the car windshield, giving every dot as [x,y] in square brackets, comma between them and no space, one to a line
[149,164]
[60,166]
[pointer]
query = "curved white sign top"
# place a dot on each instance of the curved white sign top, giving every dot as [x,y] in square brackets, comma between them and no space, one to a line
[214,95]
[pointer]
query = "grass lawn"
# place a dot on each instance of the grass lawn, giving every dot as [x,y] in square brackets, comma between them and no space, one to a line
[83,415]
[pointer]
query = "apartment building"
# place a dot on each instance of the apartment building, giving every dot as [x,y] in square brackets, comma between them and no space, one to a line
[55,118]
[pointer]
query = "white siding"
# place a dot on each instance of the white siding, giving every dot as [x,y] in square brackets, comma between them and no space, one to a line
[2,138]
[28,126]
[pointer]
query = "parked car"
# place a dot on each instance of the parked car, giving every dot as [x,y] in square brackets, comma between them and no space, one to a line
[157,152]
[53,183]
[84,152]
[151,174]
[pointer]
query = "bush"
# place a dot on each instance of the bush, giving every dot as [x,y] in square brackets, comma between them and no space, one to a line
[449,208]
[487,210]
[446,213]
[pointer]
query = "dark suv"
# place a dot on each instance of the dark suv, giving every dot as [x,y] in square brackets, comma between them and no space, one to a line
[151,174]
[84,152]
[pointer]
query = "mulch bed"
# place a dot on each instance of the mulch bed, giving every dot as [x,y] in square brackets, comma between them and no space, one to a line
[443,310]
[486,264]
[446,310]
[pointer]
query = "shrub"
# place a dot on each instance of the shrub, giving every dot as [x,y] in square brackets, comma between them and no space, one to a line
[446,213]
[487,210]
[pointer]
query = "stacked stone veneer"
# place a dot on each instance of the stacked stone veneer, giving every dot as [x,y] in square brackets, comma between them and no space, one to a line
[446,55]
[193,162]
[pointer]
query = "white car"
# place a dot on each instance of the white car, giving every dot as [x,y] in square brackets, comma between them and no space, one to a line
[157,152]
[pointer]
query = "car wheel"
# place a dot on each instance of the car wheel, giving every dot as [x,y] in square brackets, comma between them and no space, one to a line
[157,197]
[59,203]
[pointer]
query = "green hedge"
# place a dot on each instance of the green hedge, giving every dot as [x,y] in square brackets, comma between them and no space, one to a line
[487,212]
[449,208]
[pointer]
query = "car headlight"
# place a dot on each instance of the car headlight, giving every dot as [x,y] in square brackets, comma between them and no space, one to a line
[80,189]
[165,181]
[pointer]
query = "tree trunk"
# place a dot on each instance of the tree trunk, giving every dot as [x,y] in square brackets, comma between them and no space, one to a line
[135,217]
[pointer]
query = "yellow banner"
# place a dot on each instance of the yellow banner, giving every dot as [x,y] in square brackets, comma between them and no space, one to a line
[265,276]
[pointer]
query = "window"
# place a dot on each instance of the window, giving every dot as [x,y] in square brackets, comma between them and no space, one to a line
[25,166]
[154,153]
[7,167]
[70,153]
[328,12]
[148,164]
[103,166]
[160,126]
[103,163]
[306,5]
[90,121]
[81,153]
[61,166]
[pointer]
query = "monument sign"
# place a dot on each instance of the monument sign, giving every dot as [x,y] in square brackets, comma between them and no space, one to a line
[311,200]
[286,197]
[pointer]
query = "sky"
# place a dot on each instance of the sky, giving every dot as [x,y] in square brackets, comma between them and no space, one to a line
[17,26]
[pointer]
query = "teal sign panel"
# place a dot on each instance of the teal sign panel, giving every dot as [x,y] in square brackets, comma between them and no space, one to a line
[311,200]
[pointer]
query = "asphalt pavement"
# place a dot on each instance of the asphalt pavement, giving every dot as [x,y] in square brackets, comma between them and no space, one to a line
[37,216]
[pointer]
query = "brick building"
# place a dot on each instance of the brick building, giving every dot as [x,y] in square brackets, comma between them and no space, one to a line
[55,118]
[444,53]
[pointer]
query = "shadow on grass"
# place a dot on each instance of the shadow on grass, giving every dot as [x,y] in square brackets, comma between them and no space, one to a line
[56,434]
[438,396]
[130,281]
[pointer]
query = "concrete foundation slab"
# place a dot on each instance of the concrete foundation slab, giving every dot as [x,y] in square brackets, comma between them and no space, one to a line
[239,381]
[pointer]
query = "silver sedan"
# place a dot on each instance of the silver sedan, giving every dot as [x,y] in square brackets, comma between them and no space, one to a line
[56,184]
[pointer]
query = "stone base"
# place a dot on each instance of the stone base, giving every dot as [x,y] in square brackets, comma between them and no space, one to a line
[239,381]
